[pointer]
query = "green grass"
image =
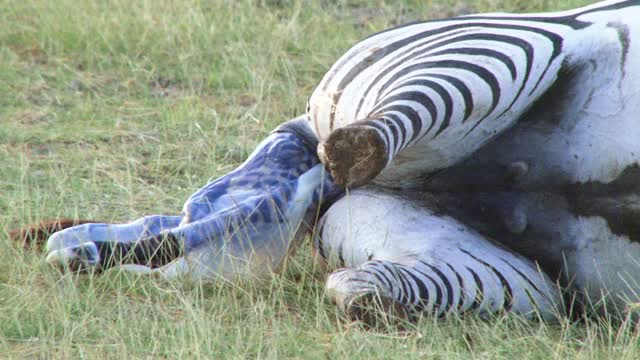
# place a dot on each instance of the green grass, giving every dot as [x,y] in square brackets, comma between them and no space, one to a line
[112,110]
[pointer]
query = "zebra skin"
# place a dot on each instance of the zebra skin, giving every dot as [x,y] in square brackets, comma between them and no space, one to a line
[500,153]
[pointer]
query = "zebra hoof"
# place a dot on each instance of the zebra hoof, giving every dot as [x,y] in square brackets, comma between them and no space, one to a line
[376,311]
[81,258]
[360,301]
[353,155]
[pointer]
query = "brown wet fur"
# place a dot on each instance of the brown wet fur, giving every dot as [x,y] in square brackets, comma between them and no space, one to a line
[37,234]
[354,155]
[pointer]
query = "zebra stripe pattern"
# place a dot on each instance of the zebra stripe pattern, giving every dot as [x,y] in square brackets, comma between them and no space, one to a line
[477,287]
[454,84]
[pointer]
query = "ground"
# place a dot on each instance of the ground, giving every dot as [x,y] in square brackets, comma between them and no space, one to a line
[112,110]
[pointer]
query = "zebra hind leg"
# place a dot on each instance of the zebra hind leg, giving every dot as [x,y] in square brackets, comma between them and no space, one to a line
[152,251]
[178,269]
[401,259]
[381,291]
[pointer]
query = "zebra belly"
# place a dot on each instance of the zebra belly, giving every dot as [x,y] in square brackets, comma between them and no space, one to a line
[582,250]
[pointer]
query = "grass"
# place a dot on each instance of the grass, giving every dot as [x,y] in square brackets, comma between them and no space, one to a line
[114,109]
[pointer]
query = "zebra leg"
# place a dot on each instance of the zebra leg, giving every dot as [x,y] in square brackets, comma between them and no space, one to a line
[101,246]
[411,260]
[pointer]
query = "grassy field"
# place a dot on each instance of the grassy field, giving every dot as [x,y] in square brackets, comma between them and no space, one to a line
[114,109]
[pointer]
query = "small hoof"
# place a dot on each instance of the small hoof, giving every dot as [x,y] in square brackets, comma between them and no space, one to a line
[363,303]
[80,258]
[376,311]
[353,155]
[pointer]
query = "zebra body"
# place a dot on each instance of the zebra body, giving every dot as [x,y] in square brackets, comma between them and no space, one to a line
[497,128]
[526,124]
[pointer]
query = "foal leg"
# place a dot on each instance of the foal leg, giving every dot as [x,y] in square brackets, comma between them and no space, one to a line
[403,255]
[101,246]
[242,224]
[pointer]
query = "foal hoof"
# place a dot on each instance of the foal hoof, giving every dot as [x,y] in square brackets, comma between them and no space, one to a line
[79,258]
[354,155]
[70,254]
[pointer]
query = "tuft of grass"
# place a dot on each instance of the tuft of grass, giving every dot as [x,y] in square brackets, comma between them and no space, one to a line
[112,110]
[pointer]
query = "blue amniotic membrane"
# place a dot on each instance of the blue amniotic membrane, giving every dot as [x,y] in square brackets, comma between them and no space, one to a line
[255,210]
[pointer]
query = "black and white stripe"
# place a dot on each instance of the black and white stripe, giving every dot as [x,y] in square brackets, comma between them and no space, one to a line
[478,287]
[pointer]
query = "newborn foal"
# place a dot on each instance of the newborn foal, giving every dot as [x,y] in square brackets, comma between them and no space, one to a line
[241,224]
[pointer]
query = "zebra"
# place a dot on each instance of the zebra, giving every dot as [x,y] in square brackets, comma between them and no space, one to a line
[448,166]
[523,126]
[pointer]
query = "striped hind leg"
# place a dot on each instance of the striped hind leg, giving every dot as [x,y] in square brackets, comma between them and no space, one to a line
[401,254]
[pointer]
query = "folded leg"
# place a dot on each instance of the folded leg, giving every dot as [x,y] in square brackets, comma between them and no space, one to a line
[401,251]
